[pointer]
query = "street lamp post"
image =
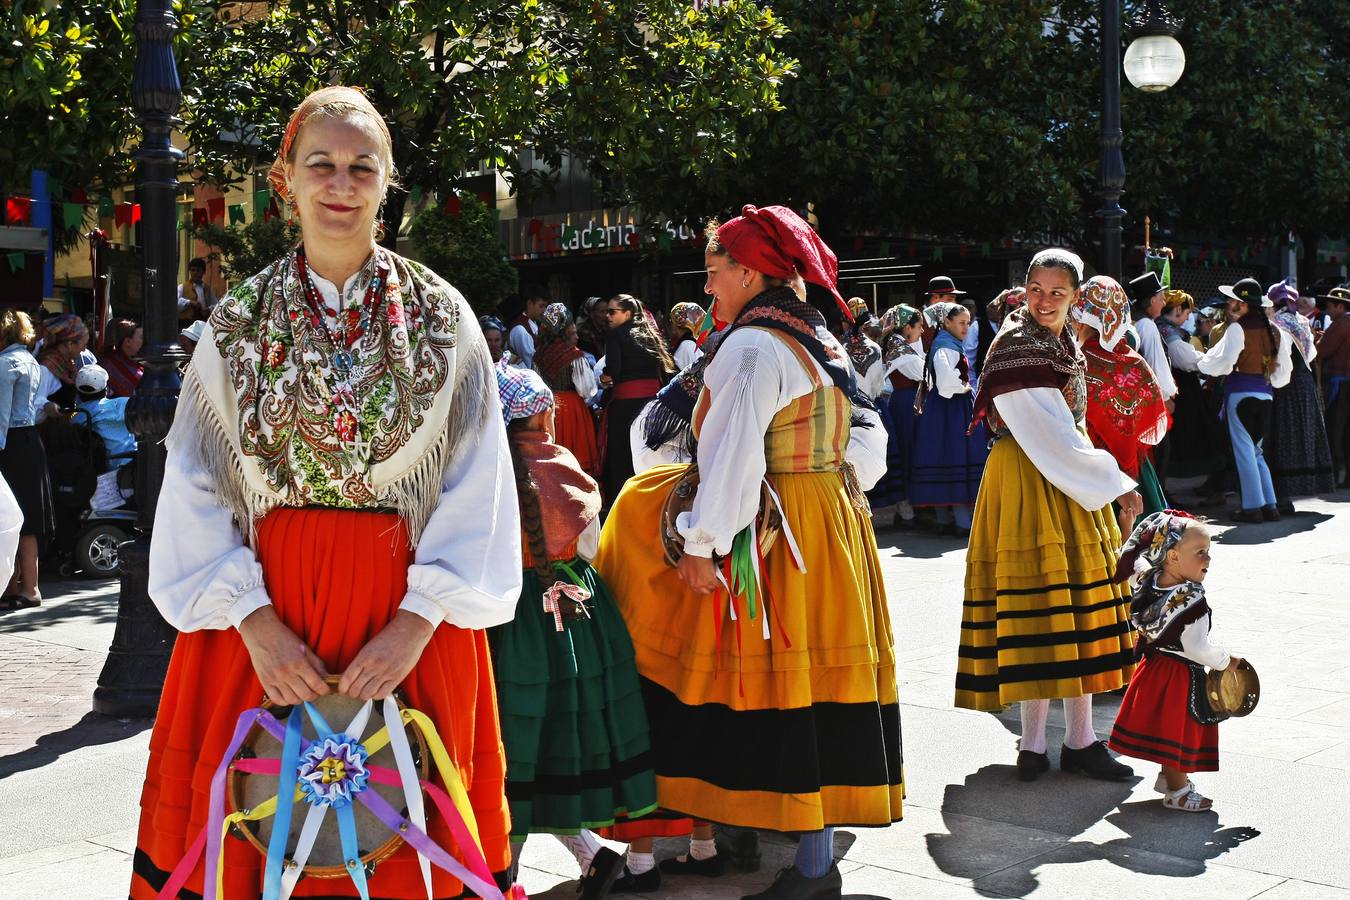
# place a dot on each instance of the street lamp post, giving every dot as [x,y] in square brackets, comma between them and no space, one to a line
[1153,63]
[133,674]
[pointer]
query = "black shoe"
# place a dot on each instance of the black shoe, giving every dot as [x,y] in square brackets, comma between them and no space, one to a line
[791,884]
[1250,516]
[740,846]
[628,883]
[1030,765]
[712,867]
[600,877]
[1270,513]
[1285,507]
[1094,762]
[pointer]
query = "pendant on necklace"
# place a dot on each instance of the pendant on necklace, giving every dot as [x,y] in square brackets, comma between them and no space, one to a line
[342,361]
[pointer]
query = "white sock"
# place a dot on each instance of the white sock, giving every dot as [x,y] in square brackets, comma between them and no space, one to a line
[905,510]
[702,849]
[584,846]
[1034,716]
[641,862]
[1078,730]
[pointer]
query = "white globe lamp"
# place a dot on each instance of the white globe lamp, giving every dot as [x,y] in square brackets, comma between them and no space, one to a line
[1154,62]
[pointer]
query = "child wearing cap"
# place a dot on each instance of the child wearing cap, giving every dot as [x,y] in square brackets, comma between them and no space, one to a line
[107,415]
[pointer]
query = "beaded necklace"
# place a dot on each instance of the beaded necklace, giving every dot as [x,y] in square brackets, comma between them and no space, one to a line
[352,322]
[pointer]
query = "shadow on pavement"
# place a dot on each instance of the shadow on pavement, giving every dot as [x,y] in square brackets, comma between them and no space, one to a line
[918,544]
[92,610]
[90,731]
[1266,532]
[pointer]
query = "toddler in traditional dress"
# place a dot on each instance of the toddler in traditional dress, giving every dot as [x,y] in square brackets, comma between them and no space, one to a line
[1165,716]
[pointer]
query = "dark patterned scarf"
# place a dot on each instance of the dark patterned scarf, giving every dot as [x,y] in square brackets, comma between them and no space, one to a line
[1026,354]
[863,353]
[779,309]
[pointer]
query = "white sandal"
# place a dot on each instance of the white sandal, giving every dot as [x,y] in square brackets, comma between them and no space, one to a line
[1187,799]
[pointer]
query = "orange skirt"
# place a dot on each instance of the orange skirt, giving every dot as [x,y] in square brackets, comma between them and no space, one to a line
[336,577]
[574,428]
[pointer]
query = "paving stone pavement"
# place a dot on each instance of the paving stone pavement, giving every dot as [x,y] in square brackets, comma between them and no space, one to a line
[69,780]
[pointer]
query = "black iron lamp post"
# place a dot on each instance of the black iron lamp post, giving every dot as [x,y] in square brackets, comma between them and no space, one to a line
[1154,62]
[133,674]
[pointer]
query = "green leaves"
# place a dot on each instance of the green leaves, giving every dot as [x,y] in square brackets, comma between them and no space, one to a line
[463,248]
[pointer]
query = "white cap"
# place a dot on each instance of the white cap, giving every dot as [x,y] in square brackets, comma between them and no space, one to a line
[194,331]
[91,379]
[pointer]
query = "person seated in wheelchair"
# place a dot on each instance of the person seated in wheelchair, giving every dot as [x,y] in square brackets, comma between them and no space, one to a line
[107,415]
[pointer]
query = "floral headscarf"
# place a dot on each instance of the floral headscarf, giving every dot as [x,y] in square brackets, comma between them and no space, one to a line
[897,317]
[555,319]
[491,323]
[1103,304]
[938,313]
[1146,549]
[1290,320]
[1007,301]
[522,392]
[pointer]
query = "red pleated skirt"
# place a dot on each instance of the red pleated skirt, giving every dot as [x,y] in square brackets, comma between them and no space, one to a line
[574,428]
[1155,722]
[336,577]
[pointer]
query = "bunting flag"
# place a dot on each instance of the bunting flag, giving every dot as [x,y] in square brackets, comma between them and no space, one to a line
[72,214]
[54,190]
[885,249]
[18,210]
[215,207]
[106,208]
[79,196]
[199,217]
[135,213]
[453,205]
[415,194]
[261,201]
[937,254]
[16,261]
[122,217]
[236,214]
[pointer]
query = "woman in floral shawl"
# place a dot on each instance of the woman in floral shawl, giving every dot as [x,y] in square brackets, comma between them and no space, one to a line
[338,420]
[1126,415]
[569,376]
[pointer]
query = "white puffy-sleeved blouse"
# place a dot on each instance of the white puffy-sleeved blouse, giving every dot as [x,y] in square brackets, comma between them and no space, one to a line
[753,376]
[466,569]
[1155,354]
[946,375]
[1223,356]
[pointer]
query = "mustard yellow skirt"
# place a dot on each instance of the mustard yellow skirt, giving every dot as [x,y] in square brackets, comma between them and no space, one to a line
[1042,616]
[794,733]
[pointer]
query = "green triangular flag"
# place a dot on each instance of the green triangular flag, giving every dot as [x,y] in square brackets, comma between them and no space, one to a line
[72,214]
[106,208]
[1162,265]
[415,195]
[236,214]
[937,254]
[16,262]
[54,188]
[261,201]
[885,249]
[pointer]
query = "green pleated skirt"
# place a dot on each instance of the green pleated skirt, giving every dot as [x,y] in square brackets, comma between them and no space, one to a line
[572,718]
[1150,489]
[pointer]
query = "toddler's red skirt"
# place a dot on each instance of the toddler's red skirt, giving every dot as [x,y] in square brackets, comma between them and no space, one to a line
[1155,722]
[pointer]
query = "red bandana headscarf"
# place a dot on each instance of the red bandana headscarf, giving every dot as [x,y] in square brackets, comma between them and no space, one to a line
[778,242]
[338,98]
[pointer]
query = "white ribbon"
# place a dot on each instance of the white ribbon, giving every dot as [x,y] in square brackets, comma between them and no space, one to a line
[407,773]
[787,529]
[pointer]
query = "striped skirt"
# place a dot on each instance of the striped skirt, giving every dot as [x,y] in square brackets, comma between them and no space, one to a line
[1042,616]
[795,733]
[1155,723]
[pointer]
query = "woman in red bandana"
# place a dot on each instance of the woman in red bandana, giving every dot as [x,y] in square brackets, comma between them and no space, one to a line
[774,707]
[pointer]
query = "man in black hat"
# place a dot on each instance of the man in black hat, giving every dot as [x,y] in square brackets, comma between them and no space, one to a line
[1253,357]
[941,289]
[1333,349]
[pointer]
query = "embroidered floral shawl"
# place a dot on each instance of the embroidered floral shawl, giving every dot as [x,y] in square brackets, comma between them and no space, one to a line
[279,424]
[1160,614]
[1125,410]
[1026,354]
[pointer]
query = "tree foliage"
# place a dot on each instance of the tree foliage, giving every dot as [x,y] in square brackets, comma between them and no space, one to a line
[65,99]
[464,249]
[245,250]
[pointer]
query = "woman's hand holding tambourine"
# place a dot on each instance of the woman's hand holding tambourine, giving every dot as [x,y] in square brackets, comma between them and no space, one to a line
[1131,505]
[387,658]
[289,670]
[698,573]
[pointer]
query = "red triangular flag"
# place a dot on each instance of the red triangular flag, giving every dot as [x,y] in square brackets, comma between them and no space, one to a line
[453,206]
[135,213]
[216,207]
[123,215]
[79,196]
[18,210]
[199,216]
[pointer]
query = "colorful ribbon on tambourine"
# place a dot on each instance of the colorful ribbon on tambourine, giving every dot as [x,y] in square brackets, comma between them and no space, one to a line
[743,575]
[327,773]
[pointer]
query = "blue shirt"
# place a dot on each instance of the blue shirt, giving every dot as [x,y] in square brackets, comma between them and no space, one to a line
[19,375]
[108,417]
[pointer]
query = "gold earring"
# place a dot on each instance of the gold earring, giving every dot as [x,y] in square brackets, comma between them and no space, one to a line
[379,230]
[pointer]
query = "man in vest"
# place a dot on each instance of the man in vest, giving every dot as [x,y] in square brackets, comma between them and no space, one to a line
[941,289]
[1254,358]
[1333,349]
[525,328]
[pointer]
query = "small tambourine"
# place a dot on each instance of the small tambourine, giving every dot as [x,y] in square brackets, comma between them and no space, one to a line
[1234,693]
[246,791]
[681,499]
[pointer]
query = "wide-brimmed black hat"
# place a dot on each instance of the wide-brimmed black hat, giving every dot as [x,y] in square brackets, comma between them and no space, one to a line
[941,284]
[1339,294]
[1144,287]
[1248,290]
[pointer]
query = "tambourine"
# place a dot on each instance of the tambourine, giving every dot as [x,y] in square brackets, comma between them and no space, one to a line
[1234,693]
[681,499]
[326,859]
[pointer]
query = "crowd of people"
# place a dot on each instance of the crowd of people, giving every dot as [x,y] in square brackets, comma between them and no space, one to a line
[637,589]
